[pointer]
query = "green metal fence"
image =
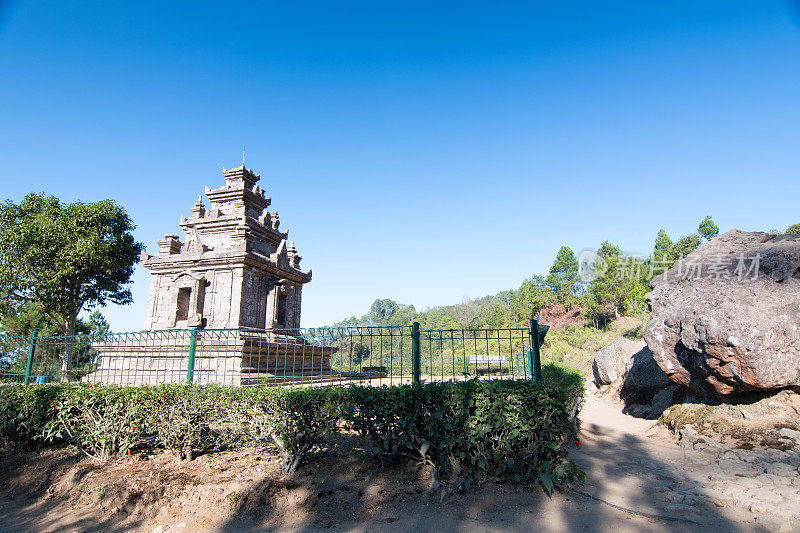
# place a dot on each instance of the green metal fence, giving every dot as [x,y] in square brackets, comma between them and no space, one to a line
[375,355]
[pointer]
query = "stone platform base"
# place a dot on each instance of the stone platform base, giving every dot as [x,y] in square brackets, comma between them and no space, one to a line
[237,358]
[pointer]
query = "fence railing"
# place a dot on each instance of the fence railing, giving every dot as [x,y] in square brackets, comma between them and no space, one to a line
[374,355]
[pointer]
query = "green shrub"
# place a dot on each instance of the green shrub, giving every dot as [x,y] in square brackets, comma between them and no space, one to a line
[477,430]
[297,420]
[472,431]
[99,420]
[24,413]
[180,417]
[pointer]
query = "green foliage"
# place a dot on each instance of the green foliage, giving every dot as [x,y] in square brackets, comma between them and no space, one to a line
[64,257]
[387,312]
[472,431]
[636,303]
[181,415]
[707,229]
[298,420]
[96,325]
[563,278]
[358,352]
[609,250]
[560,344]
[685,246]
[617,290]
[666,253]
[101,421]
[476,431]
[794,228]
[24,413]
[29,317]
[663,246]
[382,310]
[533,296]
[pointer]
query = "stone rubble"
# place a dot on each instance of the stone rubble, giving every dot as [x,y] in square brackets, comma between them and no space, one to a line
[766,482]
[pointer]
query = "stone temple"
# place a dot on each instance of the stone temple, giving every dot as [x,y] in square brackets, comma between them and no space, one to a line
[234,269]
[236,280]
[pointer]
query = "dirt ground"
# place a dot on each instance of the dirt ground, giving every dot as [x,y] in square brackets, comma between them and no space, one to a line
[629,463]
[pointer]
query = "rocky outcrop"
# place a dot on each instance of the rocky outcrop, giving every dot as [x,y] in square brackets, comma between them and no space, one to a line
[614,359]
[646,383]
[726,319]
[627,368]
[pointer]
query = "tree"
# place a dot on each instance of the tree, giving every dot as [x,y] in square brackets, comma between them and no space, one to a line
[358,352]
[387,312]
[467,313]
[96,325]
[27,319]
[404,316]
[31,318]
[609,250]
[685,246]
[65,257]
[707,229]
[533,295]
[382,310]
[663,246]
[611,288]
[794,228]
[563,278]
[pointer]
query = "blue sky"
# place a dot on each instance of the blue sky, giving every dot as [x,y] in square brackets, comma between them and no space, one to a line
[417,151]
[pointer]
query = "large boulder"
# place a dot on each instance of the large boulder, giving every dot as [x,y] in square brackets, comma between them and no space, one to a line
[726,319]
[645,378]
[647,390]
[614,359]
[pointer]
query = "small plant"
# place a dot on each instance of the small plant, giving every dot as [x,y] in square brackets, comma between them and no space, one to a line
[298,420]
[233,500]
[24,413]
[101,491]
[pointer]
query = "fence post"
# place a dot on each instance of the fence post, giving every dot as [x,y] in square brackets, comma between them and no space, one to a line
[192,348]
[31,353]
[535,355]
[415,366]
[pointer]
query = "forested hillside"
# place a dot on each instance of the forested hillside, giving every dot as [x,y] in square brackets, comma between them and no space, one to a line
[615,289]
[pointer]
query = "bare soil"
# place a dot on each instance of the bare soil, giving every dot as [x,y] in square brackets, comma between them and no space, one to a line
[629,462]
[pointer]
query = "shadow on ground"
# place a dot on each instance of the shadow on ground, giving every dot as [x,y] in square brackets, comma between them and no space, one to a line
[621,469]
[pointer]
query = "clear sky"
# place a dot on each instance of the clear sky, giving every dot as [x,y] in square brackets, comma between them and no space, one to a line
[420,151]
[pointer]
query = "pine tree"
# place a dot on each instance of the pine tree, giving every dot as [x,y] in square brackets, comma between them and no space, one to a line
[707,229]
[563,278]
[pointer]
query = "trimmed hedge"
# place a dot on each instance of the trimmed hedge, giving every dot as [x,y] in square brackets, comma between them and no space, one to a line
[472,431]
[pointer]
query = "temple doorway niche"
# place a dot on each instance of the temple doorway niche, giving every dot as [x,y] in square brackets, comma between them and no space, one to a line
[281,315]
[182,311]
